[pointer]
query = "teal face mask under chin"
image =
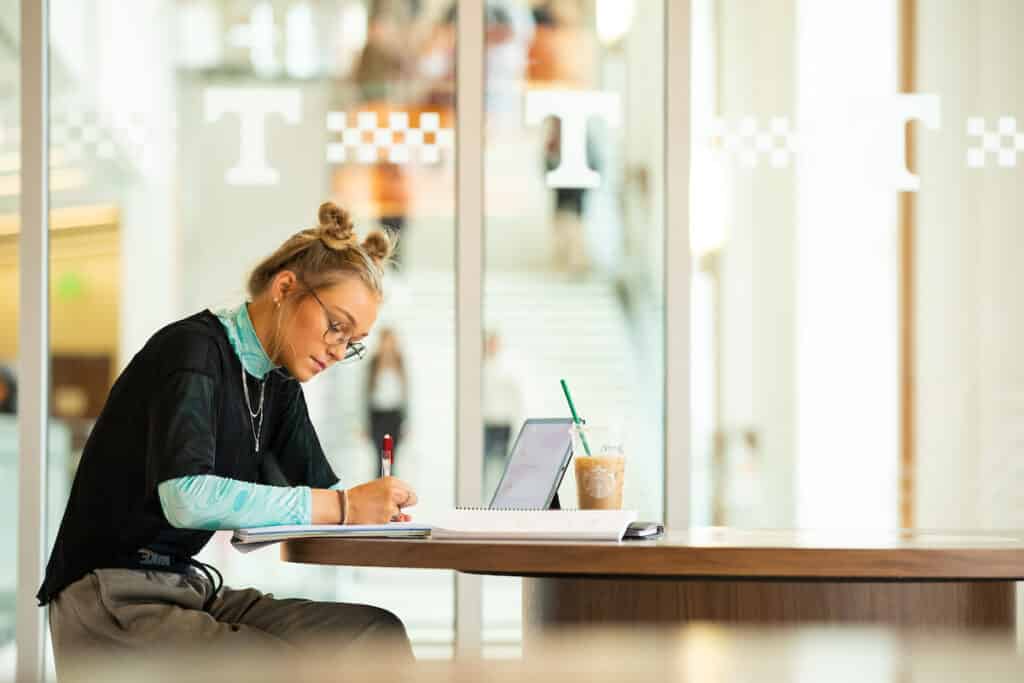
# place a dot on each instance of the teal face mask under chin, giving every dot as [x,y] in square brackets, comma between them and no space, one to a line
[243,339]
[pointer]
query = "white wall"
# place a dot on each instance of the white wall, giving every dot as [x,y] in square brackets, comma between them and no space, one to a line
[847,340]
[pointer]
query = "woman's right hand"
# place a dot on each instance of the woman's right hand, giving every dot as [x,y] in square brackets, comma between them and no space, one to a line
[378,501]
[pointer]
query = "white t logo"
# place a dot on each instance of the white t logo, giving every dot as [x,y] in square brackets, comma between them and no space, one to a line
[252,106]
[573,109]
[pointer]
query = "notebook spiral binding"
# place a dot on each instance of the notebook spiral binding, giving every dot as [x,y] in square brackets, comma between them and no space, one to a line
[482,509]
[555,505]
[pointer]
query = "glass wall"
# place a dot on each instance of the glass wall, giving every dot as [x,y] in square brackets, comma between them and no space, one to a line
[744,244]
[966,253]
[855,231]
[10,140]
[188,143]
[796,264]
[573,236]
[854,252]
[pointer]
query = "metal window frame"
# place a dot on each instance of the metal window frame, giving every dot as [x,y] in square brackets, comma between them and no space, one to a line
[34,343]
[469,285]
[678,142]
[33,337]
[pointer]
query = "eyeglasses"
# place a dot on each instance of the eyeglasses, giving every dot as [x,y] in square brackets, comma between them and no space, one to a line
[335,336]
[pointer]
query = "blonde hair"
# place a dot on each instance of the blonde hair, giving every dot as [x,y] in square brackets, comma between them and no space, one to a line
[321,257]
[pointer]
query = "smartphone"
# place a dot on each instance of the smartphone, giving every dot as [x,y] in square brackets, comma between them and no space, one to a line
[644,531]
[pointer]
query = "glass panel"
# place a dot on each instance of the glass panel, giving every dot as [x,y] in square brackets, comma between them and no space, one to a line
[573,241]
[10,142]
[183,157]
[855,260]
[967,250]
[795,298]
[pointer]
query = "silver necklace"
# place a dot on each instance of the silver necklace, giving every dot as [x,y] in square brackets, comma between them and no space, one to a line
[257,429]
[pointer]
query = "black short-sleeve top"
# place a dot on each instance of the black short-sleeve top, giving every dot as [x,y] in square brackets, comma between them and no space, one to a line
[178,409]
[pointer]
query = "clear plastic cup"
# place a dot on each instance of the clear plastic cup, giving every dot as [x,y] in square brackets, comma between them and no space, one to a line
[601,474]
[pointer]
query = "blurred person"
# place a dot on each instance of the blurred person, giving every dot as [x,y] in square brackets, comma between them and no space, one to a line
[387,392]
[8,392]
[502,409]
[509,30]
[207,428]
[570,248]
[508,26]
[561,53]
[383,73]
[559,56]
[388,58]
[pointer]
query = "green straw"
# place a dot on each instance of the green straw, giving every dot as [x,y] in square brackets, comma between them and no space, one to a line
[575,417]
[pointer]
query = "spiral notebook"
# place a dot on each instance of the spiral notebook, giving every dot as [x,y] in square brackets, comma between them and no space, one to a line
[465,524]
[532,525]
[247,540]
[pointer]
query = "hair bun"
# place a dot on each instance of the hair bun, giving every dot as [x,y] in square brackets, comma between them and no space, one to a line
[336,229]
[378,246]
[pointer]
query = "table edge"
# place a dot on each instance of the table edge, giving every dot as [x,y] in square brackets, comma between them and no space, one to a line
[649,560]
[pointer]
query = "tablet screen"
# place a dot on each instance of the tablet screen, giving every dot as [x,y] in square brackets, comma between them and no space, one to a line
[534,468]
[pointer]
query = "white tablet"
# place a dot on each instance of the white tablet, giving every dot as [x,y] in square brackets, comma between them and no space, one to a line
[536,465]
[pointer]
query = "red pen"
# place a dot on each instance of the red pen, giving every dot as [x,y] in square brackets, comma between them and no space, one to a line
[387,454]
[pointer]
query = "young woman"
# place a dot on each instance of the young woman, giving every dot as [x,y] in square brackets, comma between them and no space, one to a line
[207,429]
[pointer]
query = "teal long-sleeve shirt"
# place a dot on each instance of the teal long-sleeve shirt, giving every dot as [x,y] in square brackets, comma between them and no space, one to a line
[209,502]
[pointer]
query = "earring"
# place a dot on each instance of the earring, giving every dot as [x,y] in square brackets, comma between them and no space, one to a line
[277,303]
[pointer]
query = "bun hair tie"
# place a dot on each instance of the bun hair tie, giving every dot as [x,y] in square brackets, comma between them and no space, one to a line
[336,230]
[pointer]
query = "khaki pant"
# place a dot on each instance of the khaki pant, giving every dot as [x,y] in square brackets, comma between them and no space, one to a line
[110,613]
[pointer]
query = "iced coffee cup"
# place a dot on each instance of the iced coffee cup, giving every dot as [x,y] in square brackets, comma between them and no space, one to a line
[600,468]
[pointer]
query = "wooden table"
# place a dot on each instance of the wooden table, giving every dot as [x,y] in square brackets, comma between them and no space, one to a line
[911,579]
